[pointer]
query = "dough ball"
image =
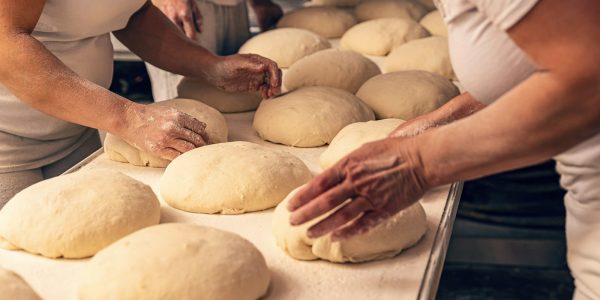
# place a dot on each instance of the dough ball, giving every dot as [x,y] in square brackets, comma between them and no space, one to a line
[370,10]
[309,116]
[285,45]
[216,127]
[341,69]
[231,178]
[428,54]
[355,135]
[434,23]
[12,286]
[177,261]
[225,102]
[406,94]
[76,215]
[338,3]
[329,22]
[389,238]
[380,36]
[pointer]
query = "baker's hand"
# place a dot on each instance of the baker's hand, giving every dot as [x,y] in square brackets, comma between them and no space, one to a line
[183,13]
[413,127]
[375,182]
[267,13]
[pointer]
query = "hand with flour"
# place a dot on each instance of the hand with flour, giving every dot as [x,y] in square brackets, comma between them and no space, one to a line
[183,13]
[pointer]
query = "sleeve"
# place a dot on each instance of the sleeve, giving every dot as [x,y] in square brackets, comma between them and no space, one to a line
[504,13]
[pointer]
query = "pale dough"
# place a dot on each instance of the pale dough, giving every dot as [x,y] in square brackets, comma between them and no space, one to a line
[177,262]
[434,23]
[341,69]
[231,178]
[406,94]
[76,215]
[309,116]
[216,128]
[225,102]
[285,45]
[370,10]
[388,239]
[329,22]
[13,287]
[427,54]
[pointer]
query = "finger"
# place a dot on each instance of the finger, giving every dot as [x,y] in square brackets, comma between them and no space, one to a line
[322,204]
[181,145]
[188,28]
[192,137]
[315,187]
[340,217]
[168,153]
[264,91]
[196,126]
[360,226]
[198,15]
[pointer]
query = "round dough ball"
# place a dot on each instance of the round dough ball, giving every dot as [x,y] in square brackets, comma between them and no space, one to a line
[370,10]
[428,54]
[216,127]
[231,178]
[380,36]
[389,238]
[341,69]
[76,215]
[434,23]
[355,135]
[338,3]
[285,45]
[309,116]
[225,102]
[329,22]
[12,286]
[177,261]
[406,94]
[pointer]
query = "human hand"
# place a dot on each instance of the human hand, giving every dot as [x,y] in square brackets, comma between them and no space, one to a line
[267,13]
[412,127]
[183,13]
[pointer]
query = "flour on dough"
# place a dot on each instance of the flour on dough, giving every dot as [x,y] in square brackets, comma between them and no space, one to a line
[13,287]
[225,102]
[329,22]
[407,9]
[428,54]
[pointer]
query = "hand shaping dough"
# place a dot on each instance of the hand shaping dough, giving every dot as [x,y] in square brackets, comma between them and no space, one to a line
[434,23]
[329,22]
[428,54]
[406,94]
[177,261]
[225,102]
[370,10]
[380,36]
[341,69]
[285,45]
[216,127]
[355,135]
[76,215]
[13,287]
[231,178]
[309,116]
[401,231]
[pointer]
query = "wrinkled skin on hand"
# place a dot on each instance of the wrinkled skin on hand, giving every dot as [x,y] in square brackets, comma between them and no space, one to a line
[267,14]
[183,13]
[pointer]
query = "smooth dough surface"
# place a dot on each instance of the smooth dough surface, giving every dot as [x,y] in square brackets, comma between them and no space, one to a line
[285,45]
[406,94]
[76,215]
[216,127]
[428,54]
[370,10]
[341,69]
[177,261]
[13,287]
[309,116]
[225,102]
[231,178]
[380,36]
[329,22]
[434,23]
[387,239]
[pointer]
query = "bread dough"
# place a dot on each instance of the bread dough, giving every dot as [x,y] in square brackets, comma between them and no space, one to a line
[76,215]
[341,69]
[231,178]
[406,94]
[389,238]
[225,102]
[338,3]
[216,127]
[177,261]
[380,36]
[285,45]
[13,287]
[329,22]
[434,23]
[355,135]
[370,10]
[427,54]
[309,116]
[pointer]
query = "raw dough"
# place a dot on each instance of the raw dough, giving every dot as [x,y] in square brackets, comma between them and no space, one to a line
[285,45]
[13,287]
[341,69]
[177,261]
[216,127]
[355,135]
[406,94]
[380,36]
[339,3]
[428,54]
[329,22]
[76,215]
[370,10]
[231,178]
[387,239]
[225,102]
[434,23]
[309,116]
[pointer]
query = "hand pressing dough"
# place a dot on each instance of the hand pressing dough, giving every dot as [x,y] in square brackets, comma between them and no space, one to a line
[225,102]
[434,23]
[341,69]
[177,261]
[76,215]
[216,127]
[428,54]
[329,22]
[355,135]
[388,239]
[13,287]
[380,36]
[370,10]
[406,94]
[309,116]
[285,45]
[231,178]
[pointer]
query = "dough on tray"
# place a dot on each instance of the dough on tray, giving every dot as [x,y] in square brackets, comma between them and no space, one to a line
[370,10]
[429,54]
[13,287]
[434,23]
[329,22]
[225,102]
